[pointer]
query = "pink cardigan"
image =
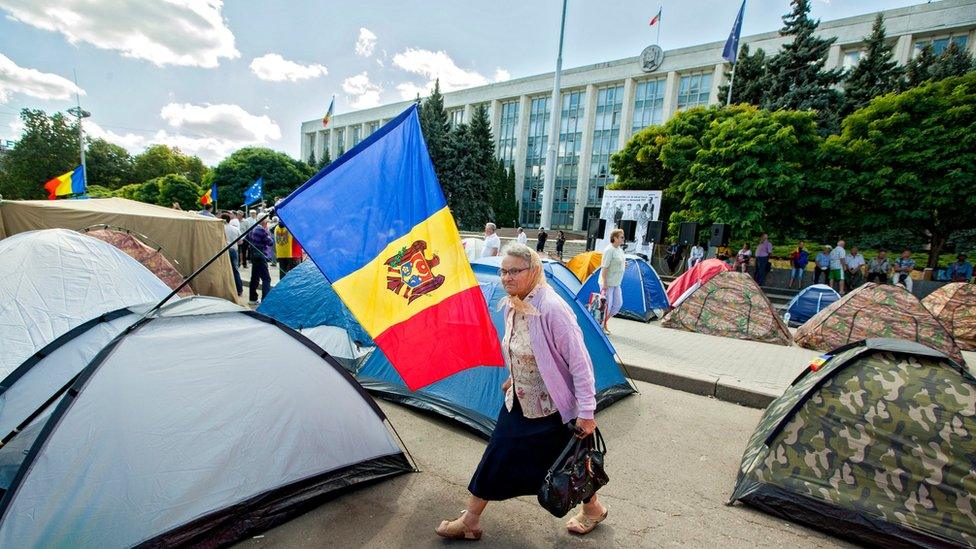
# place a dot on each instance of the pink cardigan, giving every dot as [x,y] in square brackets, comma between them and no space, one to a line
[561,356]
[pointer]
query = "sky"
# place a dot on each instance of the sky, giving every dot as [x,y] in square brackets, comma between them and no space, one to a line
[210,77]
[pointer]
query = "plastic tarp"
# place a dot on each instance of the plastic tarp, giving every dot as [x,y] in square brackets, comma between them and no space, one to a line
[643,292]
[693,278]
[305,299]
[584,264]
[151,447]
[808,302]
[56,279]
[473,397]
[188,237]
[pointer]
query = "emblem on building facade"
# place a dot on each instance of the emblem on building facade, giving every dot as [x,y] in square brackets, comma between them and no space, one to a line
[651,58]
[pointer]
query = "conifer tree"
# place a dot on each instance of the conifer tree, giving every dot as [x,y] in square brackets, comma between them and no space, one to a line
[325,161]
[435,126]
[919,68]
[954,61]
[750,78]
[876,73]
[311,159]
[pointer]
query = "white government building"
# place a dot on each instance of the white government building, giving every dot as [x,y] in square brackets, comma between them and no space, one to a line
[604,104]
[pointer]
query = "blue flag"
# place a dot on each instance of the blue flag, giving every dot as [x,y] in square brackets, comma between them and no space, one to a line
[213,192]
[731,51]
[254,193]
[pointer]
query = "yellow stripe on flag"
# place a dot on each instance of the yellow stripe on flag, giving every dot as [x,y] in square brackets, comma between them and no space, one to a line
[377,306]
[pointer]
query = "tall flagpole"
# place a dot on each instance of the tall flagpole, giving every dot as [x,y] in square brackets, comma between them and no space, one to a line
[81,131]
[728,100]
[660,11]
[555,113]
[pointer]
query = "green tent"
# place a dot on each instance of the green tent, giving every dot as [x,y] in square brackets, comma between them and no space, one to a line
[877,444]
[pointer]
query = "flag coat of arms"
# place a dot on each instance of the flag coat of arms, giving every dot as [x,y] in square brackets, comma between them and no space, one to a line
[376,224]
[72,182]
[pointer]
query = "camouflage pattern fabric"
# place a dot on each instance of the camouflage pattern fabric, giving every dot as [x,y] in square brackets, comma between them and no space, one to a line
[150,258]
[876,311]
[887,435]
[955,306]
[730,304]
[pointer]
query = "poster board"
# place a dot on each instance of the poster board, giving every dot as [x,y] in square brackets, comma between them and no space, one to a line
[639,206]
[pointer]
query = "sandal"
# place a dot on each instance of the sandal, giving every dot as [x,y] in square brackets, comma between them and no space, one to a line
[583,524]
[457,529]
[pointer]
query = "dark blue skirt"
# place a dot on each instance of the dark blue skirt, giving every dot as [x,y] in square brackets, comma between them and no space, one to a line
[520,453]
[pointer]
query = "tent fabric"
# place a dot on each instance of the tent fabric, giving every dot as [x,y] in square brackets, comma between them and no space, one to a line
[474,397]
[955,306]
[337,342]
[692,279]
[122,460]
[305,299]
[56,279]
[473,247]
[808,302]
[875,446]
[584,264]
[730,304]
[876,311]
[189,238]
[643,293]
[149,257]
[553,269]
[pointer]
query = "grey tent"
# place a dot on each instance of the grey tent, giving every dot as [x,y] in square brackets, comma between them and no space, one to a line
[130,430]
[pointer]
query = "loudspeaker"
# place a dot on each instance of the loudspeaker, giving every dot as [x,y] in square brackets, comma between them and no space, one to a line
[654,233]
[594,231]
[688,234]
[721,235]
[630,229]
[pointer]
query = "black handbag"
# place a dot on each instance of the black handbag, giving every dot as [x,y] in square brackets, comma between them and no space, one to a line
[577,474]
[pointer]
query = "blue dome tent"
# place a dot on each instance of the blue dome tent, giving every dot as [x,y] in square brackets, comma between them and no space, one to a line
[553,269]
[643,292]
[810,301]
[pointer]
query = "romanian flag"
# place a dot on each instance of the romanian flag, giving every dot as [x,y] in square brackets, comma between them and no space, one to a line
[210,196]
[376,224]
[657,18]
[72,182]
[328,114]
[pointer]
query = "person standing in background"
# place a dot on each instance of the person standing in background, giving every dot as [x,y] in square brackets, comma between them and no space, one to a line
[763,252]
[262,248]
[231,233]
[540,245]
[521,237]
[493,244]
[855,268]
[798,264]
[821,266]
[287,249]
[560,243]
[838,257]
[612,275]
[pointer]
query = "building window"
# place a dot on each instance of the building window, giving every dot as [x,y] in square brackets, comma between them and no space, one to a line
[535,160]
[455,117]
[567,159]
[357,135]
[851,59]
[648,104]
[941,43]
[371,127]
[606,136]
[507,132]
[340,141]
[694,89]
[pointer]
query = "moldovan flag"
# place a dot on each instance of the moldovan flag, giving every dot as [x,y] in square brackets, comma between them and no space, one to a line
[72,182]
[376,224]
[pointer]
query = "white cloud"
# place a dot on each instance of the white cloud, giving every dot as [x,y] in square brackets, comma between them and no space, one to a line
[130,141]
[164,32]
[275,68]
[42,85]
[409,90]
[366,42]
[502,75]
[364,94]
[221,121]
[438,65]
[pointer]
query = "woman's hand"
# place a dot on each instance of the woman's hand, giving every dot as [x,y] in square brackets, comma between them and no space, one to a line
[506,385]
[585,427]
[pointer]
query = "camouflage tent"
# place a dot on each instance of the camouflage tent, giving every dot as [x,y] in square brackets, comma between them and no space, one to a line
[876,310]
[955,306]
[875,445]
[150,257]
[730,304]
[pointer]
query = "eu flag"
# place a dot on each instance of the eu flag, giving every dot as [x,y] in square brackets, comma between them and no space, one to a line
[376,224]
[254,193]
[731,51]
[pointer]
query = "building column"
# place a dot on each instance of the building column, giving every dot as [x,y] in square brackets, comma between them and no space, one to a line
[586,155]
[670,96]
[496,122]
[305,145]
[627,113]
[833,57]
[718,78]
[521,147]
[903,49]
[468,113]
[333,143]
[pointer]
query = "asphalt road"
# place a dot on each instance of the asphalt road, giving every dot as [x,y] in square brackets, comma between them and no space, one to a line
[672,459]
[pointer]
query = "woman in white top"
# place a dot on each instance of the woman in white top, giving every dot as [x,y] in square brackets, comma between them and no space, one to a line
[612,274]
[742,259]
[696,255]
[521,238]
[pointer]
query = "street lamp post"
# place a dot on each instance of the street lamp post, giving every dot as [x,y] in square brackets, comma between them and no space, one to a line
[555,113]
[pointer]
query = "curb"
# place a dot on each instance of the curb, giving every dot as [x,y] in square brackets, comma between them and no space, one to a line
[727,389]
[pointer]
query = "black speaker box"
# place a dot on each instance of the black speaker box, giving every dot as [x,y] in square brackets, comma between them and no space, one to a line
[721,235]
[630,229]
[654,233]
[688,234]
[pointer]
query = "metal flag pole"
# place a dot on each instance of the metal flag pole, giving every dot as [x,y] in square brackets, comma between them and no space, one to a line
[659,19]
[555,112]
[728,100]
[78,112]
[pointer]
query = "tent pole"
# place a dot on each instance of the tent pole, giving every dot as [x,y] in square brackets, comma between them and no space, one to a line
[416,469]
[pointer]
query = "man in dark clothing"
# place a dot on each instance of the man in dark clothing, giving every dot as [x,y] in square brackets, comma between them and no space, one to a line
[262,248]
[540,246]
[673,257]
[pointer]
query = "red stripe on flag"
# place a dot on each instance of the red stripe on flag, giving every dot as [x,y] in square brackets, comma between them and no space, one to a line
[442,340]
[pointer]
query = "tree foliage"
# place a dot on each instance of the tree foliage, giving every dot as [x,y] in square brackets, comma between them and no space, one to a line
[175,188]
[282,174]
[435,126]
[159,160]
[876,73]
[109,165]
[505,209]
[47,148]
[750,78]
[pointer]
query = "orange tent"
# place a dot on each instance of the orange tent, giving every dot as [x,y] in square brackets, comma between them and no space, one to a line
[584,264]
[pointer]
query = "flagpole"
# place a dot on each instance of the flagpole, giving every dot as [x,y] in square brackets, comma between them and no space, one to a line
[555,116]
[660,17]
[728,100]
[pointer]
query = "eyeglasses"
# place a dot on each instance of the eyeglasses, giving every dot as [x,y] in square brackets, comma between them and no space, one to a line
[511,272]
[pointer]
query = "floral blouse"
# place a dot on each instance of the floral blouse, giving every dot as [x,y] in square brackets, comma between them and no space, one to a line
[527,382]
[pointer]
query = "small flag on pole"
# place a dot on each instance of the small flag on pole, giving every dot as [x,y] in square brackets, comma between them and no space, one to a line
[731,51]
[72,182]
[657,18]
[209,197]
[328,114]
[254,193]
[376,224]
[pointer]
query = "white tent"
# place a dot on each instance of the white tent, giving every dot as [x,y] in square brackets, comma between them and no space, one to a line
[473,247]
[336,341]
[199,424]
[53,280]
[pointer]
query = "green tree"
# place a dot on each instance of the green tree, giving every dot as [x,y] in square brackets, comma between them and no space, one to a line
[159,160]
[311,160]
[954,61]
[325,161]
[109,165]
[282,174]
[435,126]
[919,69]
[98,191]
[750,78]
[504,206]
[47,148]
[463,179]
[797,77]
[912,161]
[147,191]
[128,191]
[177,188]
[876,73]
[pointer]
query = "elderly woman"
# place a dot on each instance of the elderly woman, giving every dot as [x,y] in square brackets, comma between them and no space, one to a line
[550,387]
